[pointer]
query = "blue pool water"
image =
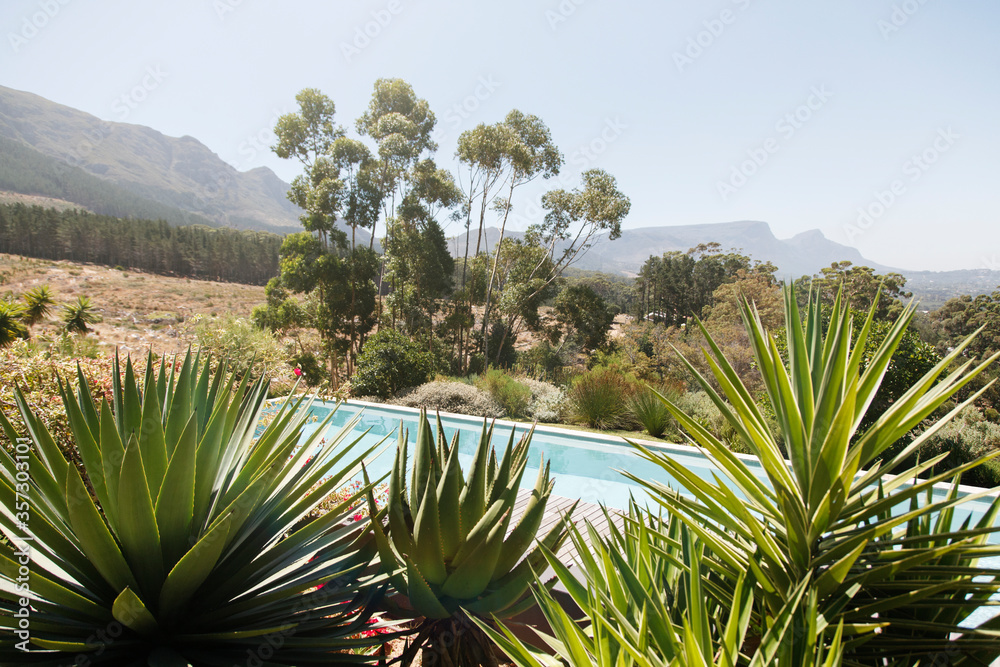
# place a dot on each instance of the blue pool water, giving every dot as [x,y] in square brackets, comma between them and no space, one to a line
[585,465]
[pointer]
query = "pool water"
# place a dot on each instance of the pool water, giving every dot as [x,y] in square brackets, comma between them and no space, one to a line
[584,465]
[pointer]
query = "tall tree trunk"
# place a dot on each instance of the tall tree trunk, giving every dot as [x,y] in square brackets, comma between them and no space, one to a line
[493,275]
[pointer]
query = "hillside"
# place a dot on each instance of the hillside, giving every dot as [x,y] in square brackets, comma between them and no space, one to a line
[26,172]
[138,310]
[178,173]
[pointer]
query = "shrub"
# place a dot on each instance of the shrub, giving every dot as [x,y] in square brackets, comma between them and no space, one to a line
[599,398]
[548,402]
[388,363]
[449,396]
[648,410]
[313,373]
[542,362]
[514,396]
[969,436]
[247,347]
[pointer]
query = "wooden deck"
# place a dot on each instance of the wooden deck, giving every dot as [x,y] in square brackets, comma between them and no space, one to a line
[554,512]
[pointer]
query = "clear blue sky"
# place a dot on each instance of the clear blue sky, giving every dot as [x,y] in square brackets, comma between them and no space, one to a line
[797,113]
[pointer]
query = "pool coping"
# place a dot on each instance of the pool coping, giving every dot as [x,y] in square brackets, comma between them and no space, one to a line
[597,439]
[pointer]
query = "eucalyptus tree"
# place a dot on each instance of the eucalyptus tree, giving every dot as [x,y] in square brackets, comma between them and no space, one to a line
[529,152]
[418,261]
[575,219]
[400,124]
[480,152]
[319,261]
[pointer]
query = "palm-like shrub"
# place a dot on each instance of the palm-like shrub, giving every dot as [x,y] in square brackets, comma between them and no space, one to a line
[38,304]
[11,322]
[891,563]
[176,546]
[448,551]
[78,316]
[643,594]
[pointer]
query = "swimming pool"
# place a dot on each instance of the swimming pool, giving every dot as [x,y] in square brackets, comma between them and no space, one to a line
[584,465]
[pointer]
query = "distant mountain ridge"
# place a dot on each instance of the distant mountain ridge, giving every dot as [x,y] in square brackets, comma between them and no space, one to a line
[803,254]
[179,173]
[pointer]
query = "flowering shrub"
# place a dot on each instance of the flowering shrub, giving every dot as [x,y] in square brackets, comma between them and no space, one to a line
[37,374]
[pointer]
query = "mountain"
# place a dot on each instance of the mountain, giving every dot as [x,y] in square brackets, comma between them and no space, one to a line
[181,174]
[803,254]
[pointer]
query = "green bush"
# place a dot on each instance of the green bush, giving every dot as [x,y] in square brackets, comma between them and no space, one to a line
[648,410]
[247,347]
[388,363]
[967,437]
[514,396]
[180,536]
[599,398]
[542,362]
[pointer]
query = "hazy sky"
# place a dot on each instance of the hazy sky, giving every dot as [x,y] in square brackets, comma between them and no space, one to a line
[872,120]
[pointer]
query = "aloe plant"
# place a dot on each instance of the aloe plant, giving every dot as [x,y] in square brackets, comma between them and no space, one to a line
[882,556]
[172,544]
[643,594]
[448,546]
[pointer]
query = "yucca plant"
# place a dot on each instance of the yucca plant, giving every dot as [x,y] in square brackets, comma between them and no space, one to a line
[643,594]
[897,570]
[11,322]
[447,547]
[174,545]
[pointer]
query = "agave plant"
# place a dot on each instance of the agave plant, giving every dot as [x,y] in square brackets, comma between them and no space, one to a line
[642,591]
[898,571]
[173,545]
[448,551]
